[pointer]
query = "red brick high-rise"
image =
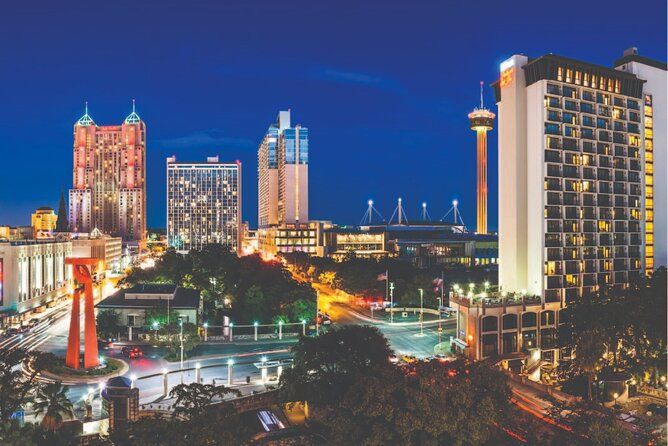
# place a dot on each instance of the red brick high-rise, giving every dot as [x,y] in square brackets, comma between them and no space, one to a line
[109,178]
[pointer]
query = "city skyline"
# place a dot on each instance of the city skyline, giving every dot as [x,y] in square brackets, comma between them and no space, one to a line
[376,108]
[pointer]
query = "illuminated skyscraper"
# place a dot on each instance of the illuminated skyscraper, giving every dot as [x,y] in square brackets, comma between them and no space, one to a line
[283,174]
[582,160]
[109,178]
[203,204]
[482,121]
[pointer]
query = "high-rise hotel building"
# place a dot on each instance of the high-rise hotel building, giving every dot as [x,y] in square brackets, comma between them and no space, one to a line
[203,204]
[109,178]
[582,162]
[283,174]
[283,223]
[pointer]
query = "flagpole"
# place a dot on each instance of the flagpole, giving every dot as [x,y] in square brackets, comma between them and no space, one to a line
[387,284]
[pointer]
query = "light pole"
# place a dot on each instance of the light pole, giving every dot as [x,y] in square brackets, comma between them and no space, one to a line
[264,369]
[317,313]
[391,302]
[421,311]
[303,327]
[280,329]
[181,339]
[155,330]
[206,331]
[230,362]
[255,324]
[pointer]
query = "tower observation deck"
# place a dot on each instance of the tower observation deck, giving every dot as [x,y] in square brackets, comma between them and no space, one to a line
[482,121]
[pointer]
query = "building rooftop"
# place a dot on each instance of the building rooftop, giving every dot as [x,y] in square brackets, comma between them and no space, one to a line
[182,297]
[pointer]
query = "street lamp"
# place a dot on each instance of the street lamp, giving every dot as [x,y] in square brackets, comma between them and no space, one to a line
[206,331]
[230,363]
[181,339]
[391,302]
[280,329]
[615,396]
[317,313]
[303,327]
[421,311]
[255,324]
[155,329]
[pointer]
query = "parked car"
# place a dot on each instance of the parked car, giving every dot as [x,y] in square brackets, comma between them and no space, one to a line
[132,352]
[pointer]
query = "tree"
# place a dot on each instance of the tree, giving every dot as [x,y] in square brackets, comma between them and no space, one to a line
[108,323]
[170,337]
[15,386]
[51,400]
[588,353]
[609,434]
[325,365]
[62,224]
[192,400]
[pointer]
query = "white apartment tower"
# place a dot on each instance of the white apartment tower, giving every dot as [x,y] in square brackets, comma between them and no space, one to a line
[283,174]
[582,159]
[203,204]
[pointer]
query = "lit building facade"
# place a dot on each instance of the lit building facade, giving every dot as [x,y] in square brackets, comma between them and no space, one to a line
[283,174]
[654,120]
[283,224]
[109,178]
[44,219]
[32,274]
[109,250]
[573,198]
[203,204]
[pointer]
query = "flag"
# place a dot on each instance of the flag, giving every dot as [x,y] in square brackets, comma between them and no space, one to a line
[438,283]
[382,276]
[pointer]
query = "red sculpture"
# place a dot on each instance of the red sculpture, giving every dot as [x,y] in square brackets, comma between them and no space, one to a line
[82,274]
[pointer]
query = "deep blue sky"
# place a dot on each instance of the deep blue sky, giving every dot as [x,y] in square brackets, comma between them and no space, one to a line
[383,86]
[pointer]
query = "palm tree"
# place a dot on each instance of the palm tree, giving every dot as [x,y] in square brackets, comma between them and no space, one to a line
[589,352]
[51,400]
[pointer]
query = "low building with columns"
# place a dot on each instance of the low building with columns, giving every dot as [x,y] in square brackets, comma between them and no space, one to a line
[32,275]
[506,326]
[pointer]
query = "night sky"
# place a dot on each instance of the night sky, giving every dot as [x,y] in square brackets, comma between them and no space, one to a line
[383,86]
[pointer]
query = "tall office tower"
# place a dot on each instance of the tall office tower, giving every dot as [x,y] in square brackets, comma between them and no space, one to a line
[203,204]
[283,174]
[656,153]
[267,172]
[573,196]
[293,175]
[482,121]
[109,178]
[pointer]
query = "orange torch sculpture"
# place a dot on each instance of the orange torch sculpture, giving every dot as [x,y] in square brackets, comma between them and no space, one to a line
[81,269]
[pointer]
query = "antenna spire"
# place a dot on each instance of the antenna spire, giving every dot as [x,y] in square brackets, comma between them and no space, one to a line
[482,105]
[86,107]
[133,105]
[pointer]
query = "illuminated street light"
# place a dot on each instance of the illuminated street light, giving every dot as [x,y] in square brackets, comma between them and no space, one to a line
[421,311]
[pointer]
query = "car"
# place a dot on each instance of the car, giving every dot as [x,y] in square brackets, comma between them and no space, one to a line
[132,352]
[33,322]
[12,331]
[657,409]
[409,359]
